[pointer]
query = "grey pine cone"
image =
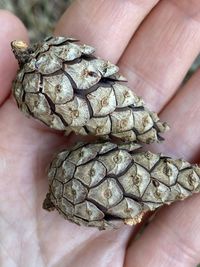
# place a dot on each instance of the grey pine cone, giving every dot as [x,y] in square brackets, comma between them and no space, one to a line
[104,183]
[61,83]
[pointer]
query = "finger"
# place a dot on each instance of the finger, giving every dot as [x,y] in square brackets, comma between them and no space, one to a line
[107,25]
[158,57]
[172,239]
[182,114]
[11,29]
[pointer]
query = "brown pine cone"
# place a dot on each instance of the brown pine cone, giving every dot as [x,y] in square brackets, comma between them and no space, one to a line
[103,183]
[61,83]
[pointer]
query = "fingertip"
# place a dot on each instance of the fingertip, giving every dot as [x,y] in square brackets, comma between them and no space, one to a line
[12,28]
[12,24]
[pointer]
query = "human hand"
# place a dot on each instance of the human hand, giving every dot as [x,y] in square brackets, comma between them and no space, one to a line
[154,58]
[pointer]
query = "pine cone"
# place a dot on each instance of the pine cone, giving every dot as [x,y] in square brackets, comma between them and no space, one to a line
[100,184]
[62,84]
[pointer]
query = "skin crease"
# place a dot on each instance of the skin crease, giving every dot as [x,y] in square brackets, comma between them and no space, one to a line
[155,58]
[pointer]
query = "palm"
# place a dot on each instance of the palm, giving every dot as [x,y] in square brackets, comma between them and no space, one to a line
[31,236]
[32,229]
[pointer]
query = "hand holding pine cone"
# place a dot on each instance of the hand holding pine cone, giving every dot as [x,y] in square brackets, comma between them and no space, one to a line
[63,85]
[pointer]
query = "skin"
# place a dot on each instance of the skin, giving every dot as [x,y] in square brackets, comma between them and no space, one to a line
[155,57]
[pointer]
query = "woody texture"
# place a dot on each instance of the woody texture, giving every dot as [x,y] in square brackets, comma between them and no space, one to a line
[61,83]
